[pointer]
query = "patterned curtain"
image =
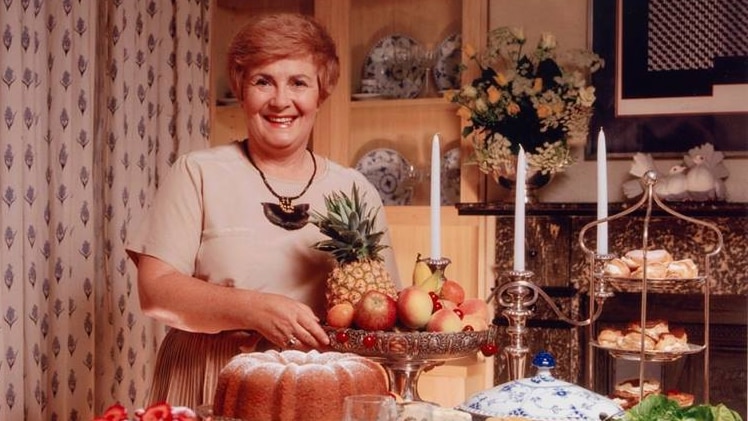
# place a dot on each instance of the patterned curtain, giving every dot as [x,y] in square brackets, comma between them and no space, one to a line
[97,99]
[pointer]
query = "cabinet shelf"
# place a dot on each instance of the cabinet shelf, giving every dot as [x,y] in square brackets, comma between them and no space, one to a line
[417,102]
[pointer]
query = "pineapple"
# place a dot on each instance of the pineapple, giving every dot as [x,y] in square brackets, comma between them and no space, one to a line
[355,247]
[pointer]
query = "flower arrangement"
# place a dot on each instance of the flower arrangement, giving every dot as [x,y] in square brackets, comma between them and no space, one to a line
[528,100]
[156,412]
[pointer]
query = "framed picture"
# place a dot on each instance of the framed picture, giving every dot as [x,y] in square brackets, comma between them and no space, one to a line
[675,76]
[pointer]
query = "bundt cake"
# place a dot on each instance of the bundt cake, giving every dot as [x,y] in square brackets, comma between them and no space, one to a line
[294,385]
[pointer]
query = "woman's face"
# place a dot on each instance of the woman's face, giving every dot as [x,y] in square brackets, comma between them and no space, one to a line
[281,100]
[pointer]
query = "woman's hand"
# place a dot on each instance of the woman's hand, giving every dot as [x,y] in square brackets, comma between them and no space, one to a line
[288,323]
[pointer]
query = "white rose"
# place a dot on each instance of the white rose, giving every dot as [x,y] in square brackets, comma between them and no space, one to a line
[547,41]
[587,96]
[518,33]
[480,105]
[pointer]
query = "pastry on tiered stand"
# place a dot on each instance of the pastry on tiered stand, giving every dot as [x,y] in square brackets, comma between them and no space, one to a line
[627,392]
[657,336]
[660,265]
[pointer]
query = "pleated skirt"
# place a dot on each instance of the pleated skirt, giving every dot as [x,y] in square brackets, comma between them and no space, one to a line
[188,364]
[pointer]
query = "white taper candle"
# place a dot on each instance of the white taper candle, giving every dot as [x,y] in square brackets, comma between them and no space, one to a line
[435,198]
[519,211]
[602,193]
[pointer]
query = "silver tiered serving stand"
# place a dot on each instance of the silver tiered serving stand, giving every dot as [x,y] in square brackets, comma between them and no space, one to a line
[518,295]
[406,355]
[605,285]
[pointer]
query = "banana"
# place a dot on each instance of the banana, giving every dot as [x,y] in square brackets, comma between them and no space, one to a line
[433,282]
[421,271]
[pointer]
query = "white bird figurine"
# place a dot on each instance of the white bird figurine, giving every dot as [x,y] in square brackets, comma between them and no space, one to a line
[706,173]
[701,183]
[674,185]
[642,163]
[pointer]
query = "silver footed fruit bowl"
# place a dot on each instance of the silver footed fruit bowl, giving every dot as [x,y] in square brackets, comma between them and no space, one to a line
[412,346]
[405,355]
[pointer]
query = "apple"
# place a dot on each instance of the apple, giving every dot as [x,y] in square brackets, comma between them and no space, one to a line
[475,322]
[452,291]
[475,306]
[414,307]
[444,320]
[448,304]
[340,315]
[375,311]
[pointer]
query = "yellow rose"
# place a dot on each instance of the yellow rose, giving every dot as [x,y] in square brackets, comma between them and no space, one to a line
[449,95]
[493,94]
[537,85]
[543,111]
[500,78]
[512,108]
[464,113]
[468,51]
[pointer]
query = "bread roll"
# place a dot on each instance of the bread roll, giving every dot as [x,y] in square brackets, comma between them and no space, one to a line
[653,256]
[674,341]
[683,399]
[629,389]
[631,341]
[617,268]
[609,337]
[653,328]
[654,271]
[682,269]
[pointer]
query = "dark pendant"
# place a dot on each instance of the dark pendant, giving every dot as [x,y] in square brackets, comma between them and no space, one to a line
[285,215]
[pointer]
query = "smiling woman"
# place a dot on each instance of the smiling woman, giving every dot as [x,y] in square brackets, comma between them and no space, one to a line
[231,267]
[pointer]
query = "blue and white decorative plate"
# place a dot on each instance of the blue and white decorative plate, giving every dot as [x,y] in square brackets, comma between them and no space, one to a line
[390,173]
[394,66]
[540,398]
[448,59]
[450,177]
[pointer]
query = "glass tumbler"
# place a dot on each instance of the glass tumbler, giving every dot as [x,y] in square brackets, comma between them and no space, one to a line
[369,408]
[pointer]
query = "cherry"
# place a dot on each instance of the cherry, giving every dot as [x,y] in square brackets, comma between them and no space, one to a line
[459,313]
[434,296]
[489,349]
[369,341]
[341,336]
[437,306]
[467,328]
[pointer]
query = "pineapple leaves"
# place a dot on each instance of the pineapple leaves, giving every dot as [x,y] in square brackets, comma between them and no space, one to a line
[349,223]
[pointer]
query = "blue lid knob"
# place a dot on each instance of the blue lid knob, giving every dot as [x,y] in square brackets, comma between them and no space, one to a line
[544,359]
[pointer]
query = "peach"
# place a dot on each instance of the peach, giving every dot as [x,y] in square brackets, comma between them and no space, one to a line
[414,307]
[452,291]
[475,306]
[448,303]
[340,315]
[444,320]
[475,322]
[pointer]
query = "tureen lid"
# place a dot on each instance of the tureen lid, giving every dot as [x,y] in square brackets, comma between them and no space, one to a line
[541,397]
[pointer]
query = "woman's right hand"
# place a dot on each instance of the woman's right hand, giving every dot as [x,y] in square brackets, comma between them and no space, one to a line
[288,323]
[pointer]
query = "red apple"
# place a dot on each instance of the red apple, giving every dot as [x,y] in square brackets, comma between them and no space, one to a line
[414,307]
[340,315]
[447,303]
[452,291]
[475,306]
[444,320]
[375,311]
[475,322]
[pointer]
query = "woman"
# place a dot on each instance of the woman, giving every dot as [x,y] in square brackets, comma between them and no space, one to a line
[224,255]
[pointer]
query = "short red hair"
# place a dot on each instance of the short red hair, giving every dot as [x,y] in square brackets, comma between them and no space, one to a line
[274,37]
